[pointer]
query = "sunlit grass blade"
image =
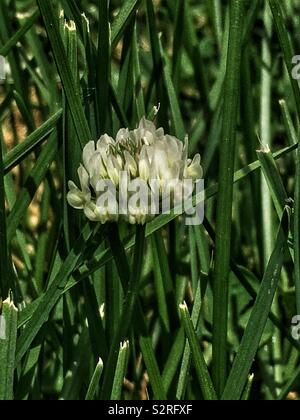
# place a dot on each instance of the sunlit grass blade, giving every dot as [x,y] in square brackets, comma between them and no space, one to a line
[248,388]
[8,339]
[120,371]
[4,264]
[95,324]
[92,389]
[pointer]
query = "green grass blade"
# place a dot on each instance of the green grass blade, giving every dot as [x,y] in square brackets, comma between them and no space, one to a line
[288,123]
[96,330]
[4,264]
[92,389]
[103,67]
[247,391]
[258,318]
[159,287]
[152,369]
[177,44]
[216,14]
[33,141]
[127,311]
[42,243]
[28,374]
[72,94]
[225,196]
[286,46]
[28,191]
[289,386]
[194,52]
[203,375]
[273,179]
[138,88]
[6,32]
[266,136]
[122,19]
[174,358]
[120,371]
[75,378]
[176,117]
[8,338]
[186,360]
[50,298]
[126,86]
[296,231]
[12,42]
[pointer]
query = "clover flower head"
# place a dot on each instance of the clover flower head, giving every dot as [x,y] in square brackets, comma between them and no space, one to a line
[144,155]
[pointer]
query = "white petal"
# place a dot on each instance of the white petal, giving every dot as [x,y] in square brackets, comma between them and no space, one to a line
[120,161]
[122,135]
[144,165]
[90,211]
[147,125]
[104,142]
[83,178]
[160,132]
[95,166]
[112,170]
[195,170]
[75,197]
[130,164]
[88,151]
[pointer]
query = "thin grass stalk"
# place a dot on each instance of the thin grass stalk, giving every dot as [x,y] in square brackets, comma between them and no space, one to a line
[4,264]
[288,52]
[94,381]
[127,312]
[225,196]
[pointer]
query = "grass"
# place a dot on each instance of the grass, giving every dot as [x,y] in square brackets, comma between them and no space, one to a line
[225,195]
[165,311]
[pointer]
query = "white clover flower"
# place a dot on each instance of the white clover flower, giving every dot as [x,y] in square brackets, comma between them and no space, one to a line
[143,155]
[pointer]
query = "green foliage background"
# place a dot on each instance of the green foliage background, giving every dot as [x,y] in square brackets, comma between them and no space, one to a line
[222,73]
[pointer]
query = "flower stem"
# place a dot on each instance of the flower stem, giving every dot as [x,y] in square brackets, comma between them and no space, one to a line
[127,312]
